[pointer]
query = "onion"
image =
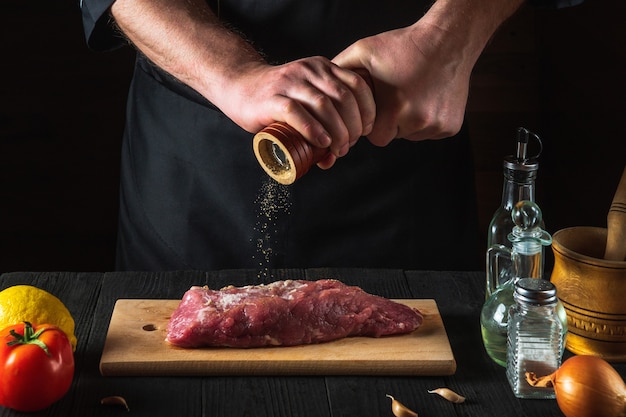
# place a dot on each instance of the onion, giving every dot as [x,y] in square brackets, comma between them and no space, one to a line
[585,386]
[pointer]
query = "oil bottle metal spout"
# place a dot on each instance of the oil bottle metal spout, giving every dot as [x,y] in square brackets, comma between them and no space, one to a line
[521,162]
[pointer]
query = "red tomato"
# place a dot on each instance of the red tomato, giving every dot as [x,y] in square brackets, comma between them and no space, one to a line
[36,366]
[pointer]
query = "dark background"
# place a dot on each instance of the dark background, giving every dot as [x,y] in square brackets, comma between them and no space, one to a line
[559,73]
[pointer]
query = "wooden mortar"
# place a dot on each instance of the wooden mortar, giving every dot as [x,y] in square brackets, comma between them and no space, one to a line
[593,292]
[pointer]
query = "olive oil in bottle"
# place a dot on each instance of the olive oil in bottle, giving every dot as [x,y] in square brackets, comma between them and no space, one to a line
[524,260]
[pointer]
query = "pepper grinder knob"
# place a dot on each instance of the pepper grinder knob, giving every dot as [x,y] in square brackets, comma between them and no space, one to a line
[284,154]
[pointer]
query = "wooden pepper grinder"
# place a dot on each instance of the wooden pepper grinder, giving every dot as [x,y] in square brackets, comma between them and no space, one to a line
[284,154]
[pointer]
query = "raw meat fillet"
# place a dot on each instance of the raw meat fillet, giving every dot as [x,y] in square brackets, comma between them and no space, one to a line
[285,313]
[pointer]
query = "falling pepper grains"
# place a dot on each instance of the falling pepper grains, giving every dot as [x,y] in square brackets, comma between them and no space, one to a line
[273,201]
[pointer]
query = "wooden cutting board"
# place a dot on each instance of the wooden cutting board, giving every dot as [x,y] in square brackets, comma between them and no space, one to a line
[135,346]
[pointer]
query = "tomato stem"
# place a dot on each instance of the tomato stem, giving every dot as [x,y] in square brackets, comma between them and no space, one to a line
[29,337]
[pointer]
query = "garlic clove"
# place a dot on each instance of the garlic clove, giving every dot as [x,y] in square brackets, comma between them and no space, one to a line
[400,410]
[448,394]
[115,400]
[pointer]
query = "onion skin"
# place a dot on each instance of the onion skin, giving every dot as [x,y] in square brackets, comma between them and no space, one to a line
[586,386]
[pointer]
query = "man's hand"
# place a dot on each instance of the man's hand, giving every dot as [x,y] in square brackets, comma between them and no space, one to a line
[421,87]
[330,106]
[421,73]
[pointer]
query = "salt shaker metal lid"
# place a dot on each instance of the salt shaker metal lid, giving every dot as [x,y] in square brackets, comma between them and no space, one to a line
[536,291]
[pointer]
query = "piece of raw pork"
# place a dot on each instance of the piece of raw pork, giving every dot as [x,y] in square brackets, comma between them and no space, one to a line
[285,313]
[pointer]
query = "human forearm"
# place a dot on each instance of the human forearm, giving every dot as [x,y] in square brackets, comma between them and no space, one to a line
[421,72]
[467,25]
[329,106]
[187,40]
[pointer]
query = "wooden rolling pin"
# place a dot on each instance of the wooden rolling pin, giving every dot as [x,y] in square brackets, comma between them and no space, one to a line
[284,154]
[616,224]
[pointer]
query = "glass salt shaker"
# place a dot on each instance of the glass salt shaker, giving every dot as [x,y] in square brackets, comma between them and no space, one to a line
[535,336]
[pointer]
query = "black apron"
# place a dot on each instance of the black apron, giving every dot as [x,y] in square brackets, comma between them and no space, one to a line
[194,197]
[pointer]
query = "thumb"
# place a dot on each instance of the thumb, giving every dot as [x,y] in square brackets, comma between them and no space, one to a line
[349,58]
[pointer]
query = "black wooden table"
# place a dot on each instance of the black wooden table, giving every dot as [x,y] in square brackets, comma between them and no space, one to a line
[91,297]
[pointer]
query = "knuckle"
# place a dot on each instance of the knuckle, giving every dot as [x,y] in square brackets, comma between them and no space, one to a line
[288,105]
[343,93]
[321,102]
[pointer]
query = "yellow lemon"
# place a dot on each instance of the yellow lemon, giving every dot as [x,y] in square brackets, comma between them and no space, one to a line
[27,303]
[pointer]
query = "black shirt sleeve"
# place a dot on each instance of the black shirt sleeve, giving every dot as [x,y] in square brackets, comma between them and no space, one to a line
[100,31]
[554,4]
[101,34]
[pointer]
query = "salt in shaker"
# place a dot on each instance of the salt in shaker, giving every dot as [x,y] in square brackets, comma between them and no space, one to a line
[535,336]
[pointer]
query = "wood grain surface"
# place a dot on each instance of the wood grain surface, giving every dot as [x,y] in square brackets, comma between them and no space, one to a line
[91,297]
[135,346]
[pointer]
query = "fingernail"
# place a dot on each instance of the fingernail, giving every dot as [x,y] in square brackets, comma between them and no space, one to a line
[324,140]
[344,149]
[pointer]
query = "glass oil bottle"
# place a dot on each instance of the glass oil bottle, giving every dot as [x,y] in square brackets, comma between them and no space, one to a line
[520,172]
[524,260]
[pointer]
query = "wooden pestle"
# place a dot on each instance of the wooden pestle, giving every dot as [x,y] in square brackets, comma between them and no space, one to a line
[616,224]
[284,154]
